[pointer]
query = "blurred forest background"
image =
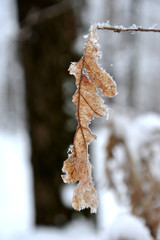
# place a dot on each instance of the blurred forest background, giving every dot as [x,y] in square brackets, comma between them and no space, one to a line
[38,41]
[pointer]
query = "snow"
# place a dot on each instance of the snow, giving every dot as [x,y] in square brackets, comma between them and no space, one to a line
[66,194]
[16,198]
[11,84]
[16,203]
[80,229]
[109,208]
[16,208]
[136,130]
[114,219]
[128,227]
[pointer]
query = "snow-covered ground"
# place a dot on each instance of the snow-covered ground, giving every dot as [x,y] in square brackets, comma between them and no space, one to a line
[16,200]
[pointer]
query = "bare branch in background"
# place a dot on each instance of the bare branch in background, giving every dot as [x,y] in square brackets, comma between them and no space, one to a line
[42,15]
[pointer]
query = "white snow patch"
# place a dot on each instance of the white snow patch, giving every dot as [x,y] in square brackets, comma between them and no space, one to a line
[67,194]
[108,208]
[128,227]
[78,229]
[16,203]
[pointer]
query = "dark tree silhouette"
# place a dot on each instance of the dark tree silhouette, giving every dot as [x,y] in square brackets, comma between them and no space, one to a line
[46,50]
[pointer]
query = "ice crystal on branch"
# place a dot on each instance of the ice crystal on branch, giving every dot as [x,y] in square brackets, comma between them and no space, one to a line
[89,76]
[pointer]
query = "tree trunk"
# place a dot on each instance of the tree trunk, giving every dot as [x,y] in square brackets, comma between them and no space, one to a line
[46,52]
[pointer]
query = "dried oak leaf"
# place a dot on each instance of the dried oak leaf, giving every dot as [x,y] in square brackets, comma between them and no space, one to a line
[89,76]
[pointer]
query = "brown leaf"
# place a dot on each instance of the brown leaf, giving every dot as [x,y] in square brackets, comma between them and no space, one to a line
[89,76]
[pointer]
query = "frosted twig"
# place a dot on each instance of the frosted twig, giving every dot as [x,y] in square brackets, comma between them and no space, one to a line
[119,29]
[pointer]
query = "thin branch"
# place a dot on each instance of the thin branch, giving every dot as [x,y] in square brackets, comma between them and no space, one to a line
[119,29]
